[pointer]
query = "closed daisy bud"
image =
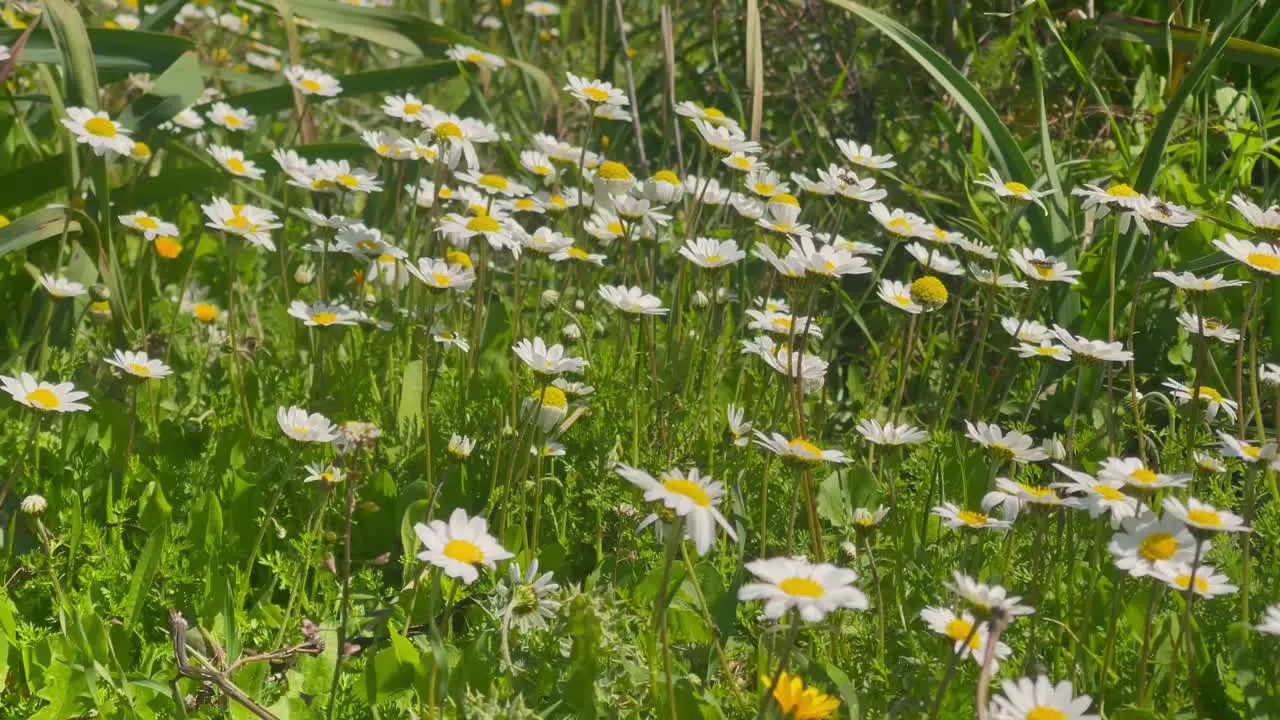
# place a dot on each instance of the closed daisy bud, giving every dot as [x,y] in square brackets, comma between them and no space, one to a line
[549,298]
[33,504]
[304,274]
[700,299]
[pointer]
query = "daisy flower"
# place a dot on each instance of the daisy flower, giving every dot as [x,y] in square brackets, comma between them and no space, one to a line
[1098,350]
[953,517]
[929,292]
[320,472]
[864,156]
[98,131]
[1202,516]
[458,546]
[976,248]
[495,229]
[1248,452]
[468,54]
[541,9]
[765,182]
[1212,399]
[1012,188]
[987,277]
[799,450]
[1149,209]
[1209,327]
[386,144]
[234,119]
[573,387]
[1147,541]
[575,253]
[251,223]
[864,519]
[797,701]
[1191,283]
[737,428]
[1027,331]
[138,364]
[631,300]
[312,82]
[782,323]
[341,175]
[812,589]
[60,287]
[1261,257]
[404,107]
[1207,463]
[460,446]
[530,603]
[233,162]
[494,184]
[458,136]
[890,434]
[897,221]
[1046,349]
[743,162]
[1038,266]
[707,114]
[987,599]
[934,260]
[321,314]
[547,361]
[44,396]
[1097,497]
[808,367]
[710,253]
[594,92]
[1267,221]
[808,185]
[1039,699]
[441,275]
[826,260]
[150,226]
[1012,444]
[1012,496]
[1119,195]
[968,637]
[898,294]
[689,495]
[664,187]
[726,139]
[1205,582]
[1131,472]
[306,427]
[548,405]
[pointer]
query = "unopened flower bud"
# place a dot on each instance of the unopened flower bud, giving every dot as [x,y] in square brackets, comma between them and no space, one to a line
[549,298]
[304,274]
[700,299]
[98,291]
[33,504]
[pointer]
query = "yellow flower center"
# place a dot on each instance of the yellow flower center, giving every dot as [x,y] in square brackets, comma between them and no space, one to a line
[441,279]
[1210,393]
[784,199]
[614,227]
[970,517]
[781,322]
[463,551]
[1035,491]
[1250,450]
[743,162]
[448,129]
[322,184]
[138,369]
[596,93]
[1014,186]
[929,290]
[801,587]
[324,318]
[411,108]
[959,630]
[310,85]
[690,490]
[484,224]
[611,170]
[205,312]
[236,165]
[666,176]
[348,179]
[1043,712]
[1204,517]
[147,222]
[1043,269]
[474,57]
[231,120]
[1122,190]
[552,397]
[1158,546]
[578,253]
[44,397]
[765,188]
[497,182]
[1108,493]
[900,226]
[713,113]
[101,127]
[168,247]
[1270,263]
[457,257]
[1050,350]
[805,449]
[1183,581]
[1144,476]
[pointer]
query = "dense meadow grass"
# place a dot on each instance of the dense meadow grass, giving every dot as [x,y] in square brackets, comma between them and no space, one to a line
[719,359]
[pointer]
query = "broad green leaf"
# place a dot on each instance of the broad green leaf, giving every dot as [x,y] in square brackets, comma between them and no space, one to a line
[143,573]
[401,31]
[72,41]
[1008,155]
[1153,153]
[1158,35]
[34,227]
[121,51]
[177,87]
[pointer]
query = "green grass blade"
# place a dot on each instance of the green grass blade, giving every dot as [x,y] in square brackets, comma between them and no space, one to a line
[1186,39]
[72,40]
[113,51]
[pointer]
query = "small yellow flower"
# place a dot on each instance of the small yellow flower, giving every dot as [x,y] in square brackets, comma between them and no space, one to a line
[168,247]
[798,702]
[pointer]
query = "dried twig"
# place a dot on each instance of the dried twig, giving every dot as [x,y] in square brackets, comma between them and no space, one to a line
[631,88]
[988,660]
[669,61]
